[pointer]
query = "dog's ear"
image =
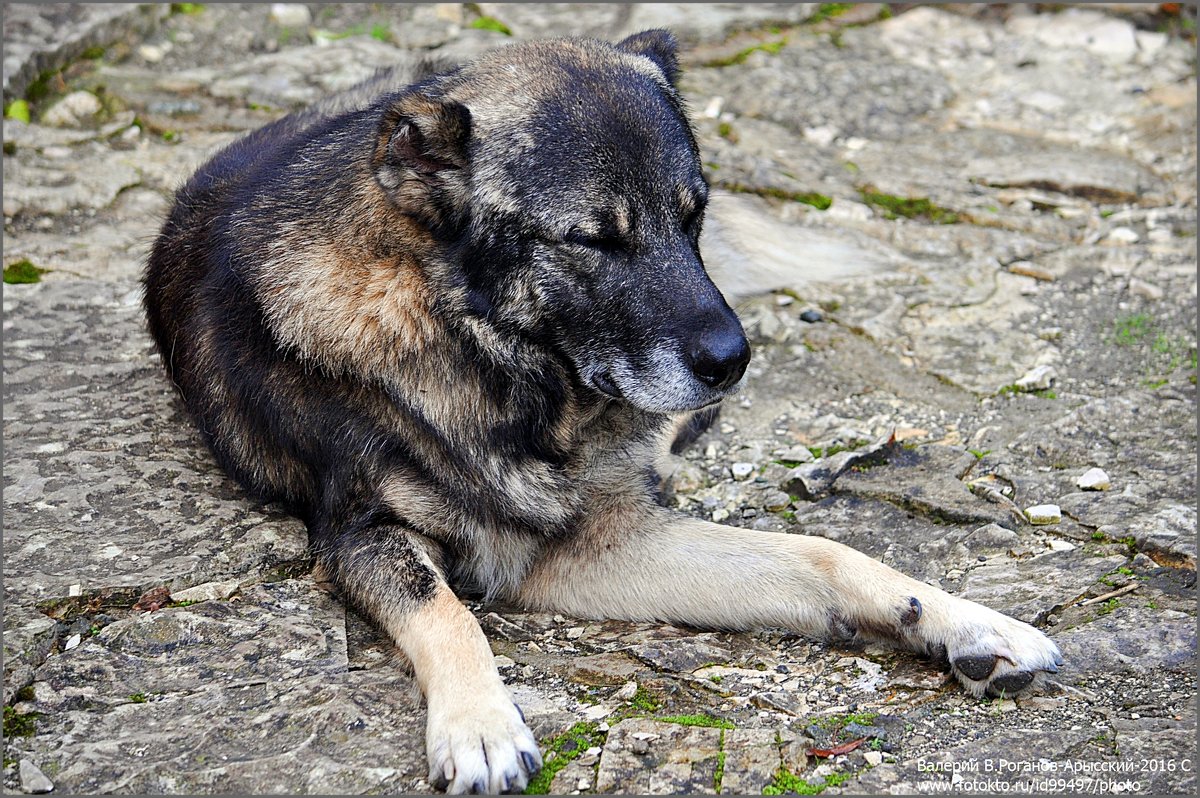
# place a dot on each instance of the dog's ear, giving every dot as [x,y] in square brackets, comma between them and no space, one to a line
[421,155]
[659,46]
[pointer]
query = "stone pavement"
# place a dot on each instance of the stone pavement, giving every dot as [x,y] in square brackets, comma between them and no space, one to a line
[968,228]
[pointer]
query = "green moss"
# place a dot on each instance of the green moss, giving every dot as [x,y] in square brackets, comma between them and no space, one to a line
[381,32]
[566,747]
[771,48]
[828,11]
[492,24]
[788,783]
[44,85]
[1108,606]
[980,453]
[894,207]
[17,724]
[138,698]
[18,110]
[645,700]
[187,8]
[699,719]
[1128,330]
[93,53]
[23,271]
[818,201]
[719,773]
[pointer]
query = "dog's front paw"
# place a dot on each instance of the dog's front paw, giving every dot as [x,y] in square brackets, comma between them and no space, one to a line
[994,654]
[480,744]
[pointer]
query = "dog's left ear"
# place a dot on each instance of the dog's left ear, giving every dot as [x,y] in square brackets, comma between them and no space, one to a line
[659,46]
[421,156]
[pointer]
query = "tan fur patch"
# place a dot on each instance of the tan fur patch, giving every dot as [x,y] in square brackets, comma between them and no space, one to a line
[349,309]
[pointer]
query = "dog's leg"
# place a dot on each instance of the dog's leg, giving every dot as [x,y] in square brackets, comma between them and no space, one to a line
[645,563]
[475,738]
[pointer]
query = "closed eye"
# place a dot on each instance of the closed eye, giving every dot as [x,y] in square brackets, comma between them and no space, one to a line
[605,241]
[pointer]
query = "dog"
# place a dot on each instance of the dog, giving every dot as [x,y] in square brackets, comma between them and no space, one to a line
[453,325]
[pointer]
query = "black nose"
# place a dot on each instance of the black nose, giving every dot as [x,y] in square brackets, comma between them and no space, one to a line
[719,356]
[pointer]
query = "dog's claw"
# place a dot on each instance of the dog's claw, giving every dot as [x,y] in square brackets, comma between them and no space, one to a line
[519,711]
[912,613]
[976,668]
[532,766]
[1010,683]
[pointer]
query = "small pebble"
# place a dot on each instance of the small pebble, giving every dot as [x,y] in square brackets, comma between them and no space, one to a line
[33,780]
[1144,289]
[72,109]
[720,515]
[72,641]
[1038,378]
[811,316]
[1094,479]
[776,500]
[1042,514]
[742,470]
[1121,235]
[291,15]
[874,758]
[151,53]
[627,691]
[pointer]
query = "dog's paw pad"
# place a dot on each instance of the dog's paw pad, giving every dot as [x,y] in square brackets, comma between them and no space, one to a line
[976,668]
[1010,683]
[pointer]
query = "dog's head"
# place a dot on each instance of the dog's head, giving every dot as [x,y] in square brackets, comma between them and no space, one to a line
[565,180]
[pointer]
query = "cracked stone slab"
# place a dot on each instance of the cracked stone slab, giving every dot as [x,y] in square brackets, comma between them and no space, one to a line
[1161,526]
[810,82]
[1031,589]
[647,757]
[351,732]
[107,481]
[270,633]
[43,186]
[926,480]
[750,251]
[1134,639]
[28,638]
[43,36]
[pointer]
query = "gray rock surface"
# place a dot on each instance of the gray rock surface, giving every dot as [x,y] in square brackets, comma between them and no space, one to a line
[1006,191]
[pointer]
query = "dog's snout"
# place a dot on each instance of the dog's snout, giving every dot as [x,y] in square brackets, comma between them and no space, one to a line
[718,357]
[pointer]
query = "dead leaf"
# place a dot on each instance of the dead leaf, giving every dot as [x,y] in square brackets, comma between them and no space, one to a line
[837,750]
